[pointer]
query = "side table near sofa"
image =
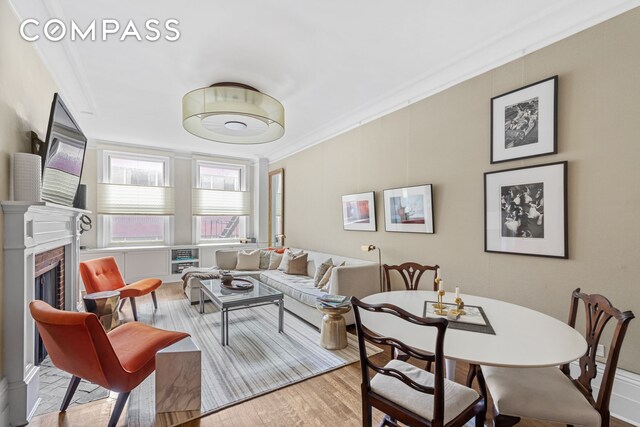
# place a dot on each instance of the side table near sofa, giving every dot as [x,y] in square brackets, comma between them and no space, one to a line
[333,333]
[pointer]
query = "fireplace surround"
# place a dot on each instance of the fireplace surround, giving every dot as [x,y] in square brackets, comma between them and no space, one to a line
[38,236]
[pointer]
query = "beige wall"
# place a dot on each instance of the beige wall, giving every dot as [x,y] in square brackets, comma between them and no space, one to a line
[444,140]
[26,91]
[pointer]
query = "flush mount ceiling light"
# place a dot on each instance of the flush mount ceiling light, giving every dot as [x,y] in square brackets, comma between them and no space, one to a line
[232,113]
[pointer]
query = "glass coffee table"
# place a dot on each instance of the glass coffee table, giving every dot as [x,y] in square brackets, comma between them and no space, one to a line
[227,300]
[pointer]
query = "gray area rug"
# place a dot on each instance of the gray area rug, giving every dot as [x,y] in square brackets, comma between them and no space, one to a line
[257,361]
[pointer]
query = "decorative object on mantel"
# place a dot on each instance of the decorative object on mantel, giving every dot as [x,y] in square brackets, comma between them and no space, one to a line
[369,248]
[524,122]
[409,209]
[526,210]
[359,212]
[232,113]
[27,177]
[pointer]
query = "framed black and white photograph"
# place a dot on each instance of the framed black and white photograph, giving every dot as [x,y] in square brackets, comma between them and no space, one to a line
[359,212]
[526,210]
[524,122]
[409,209]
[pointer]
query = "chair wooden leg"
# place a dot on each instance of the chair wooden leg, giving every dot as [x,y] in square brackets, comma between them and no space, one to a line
[73,386]
[366,414]
[117,410]
[155,300]
[480,418]
[122,301]
[471,375]
[504,420]
[133,308]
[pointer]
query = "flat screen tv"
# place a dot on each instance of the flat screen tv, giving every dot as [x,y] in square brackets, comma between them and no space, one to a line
[64,157]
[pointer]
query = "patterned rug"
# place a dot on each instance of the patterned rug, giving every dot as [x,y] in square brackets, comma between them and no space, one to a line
[257,360]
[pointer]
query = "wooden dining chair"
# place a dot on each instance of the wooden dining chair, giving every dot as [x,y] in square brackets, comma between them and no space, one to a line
[411,273]
[405,392]
[550,393]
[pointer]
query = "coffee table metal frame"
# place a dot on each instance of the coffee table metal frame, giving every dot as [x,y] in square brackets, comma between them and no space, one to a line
[240,300]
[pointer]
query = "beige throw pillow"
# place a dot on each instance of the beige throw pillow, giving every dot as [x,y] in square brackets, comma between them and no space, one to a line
[298,265]
[248,260]
[265,257]
[324,281]
[274,260]
[322,268]
[285,259]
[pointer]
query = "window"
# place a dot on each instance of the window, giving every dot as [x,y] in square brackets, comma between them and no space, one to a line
[135,200]
[228,203]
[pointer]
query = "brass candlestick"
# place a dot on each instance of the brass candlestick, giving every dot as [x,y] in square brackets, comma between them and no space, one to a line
[440,308]
[459,307]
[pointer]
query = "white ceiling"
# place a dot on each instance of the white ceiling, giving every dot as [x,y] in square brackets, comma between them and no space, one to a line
[333,64]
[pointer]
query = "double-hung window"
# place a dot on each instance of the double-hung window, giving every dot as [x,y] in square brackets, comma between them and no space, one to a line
[135,199]
[221,204]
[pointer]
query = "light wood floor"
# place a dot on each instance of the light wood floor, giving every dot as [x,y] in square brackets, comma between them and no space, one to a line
[332,399]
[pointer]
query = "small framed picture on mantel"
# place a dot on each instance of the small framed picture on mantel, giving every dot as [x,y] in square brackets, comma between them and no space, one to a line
[524,122]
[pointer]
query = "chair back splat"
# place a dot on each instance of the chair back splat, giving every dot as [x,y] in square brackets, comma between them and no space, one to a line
[598,312]
[411,274]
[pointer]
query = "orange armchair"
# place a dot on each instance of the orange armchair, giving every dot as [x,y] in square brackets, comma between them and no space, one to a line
[102,274]
[118,360]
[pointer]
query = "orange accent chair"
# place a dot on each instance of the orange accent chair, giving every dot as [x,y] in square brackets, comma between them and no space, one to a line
[102,274]
[118,361]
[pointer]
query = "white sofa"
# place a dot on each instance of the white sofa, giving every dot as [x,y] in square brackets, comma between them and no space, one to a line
[356,278]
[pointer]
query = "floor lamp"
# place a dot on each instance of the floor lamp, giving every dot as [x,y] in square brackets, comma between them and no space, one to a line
[369,248]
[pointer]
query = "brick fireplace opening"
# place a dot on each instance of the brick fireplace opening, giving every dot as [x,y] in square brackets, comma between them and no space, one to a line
[49,287]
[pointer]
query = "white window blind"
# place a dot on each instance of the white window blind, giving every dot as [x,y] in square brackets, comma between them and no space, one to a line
[219,202]
[119,199]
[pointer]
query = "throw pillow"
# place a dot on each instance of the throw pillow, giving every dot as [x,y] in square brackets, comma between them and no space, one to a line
[286,257]
[265,256]
[322,268]
[274,260]
[248,260]
[297,265]
[324,281]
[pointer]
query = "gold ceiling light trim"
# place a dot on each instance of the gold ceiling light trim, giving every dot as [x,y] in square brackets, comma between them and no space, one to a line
[232,113]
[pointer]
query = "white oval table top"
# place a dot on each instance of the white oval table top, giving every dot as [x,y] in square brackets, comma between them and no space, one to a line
[524,337]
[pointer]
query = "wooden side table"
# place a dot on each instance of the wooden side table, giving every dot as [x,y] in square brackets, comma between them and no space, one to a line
[104,305]
[333,334]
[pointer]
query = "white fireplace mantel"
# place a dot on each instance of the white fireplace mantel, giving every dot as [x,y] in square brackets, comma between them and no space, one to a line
[31,228]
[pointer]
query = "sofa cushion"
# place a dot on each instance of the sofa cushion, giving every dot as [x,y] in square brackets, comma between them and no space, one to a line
[248,260]
[300,288]
[265,256]
[284,264]
[297,265]
[321,270]
[274,260]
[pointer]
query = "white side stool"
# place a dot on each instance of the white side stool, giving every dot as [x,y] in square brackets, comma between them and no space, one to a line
[179,377]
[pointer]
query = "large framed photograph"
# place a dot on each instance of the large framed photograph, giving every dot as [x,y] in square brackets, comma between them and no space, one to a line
[359,212]
[524,122]
[409,209]
[526,211]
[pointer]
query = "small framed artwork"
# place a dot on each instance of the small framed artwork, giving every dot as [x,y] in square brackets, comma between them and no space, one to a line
[359,212]
[409,209]
[526,211]
[524,122]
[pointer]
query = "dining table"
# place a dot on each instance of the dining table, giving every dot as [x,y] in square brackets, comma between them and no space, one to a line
[522,337]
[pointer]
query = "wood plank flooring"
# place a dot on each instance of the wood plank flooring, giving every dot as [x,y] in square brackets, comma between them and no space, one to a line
[332,399]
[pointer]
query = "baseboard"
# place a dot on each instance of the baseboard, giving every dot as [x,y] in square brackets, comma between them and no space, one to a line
[625,396]
[4,402]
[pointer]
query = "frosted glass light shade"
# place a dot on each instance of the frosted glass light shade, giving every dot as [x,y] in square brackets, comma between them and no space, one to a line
[232,114]
[222,203]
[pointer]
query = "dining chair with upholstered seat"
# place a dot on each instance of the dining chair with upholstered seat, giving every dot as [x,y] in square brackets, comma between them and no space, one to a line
[406,393]
[102,274]
[411,273]
[551,394]
[118,361]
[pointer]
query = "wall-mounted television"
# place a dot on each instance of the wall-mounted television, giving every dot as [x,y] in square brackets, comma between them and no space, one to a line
[64,157]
